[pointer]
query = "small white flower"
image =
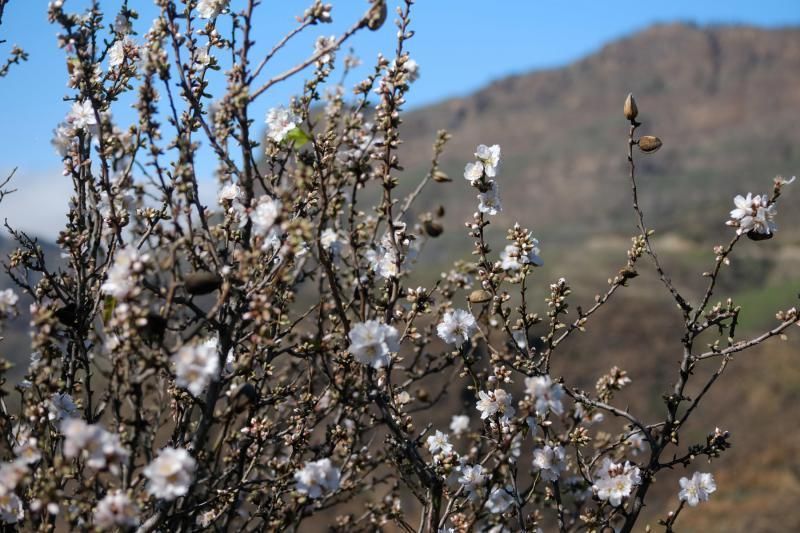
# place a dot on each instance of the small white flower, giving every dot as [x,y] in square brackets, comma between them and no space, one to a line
[229,193]
[372,343]
[265,214]
[116,510]
[120,282]
[81,116]
[473,172]
[63,136]
[211,8]
[61,406]
[439,442]
[511,259]
[546,394]
[100,448]
[8,299]
[411,68]
[456,327]
[471,477]
[317,478]
[493,402]
[27,451]
[459,424]
[499,500]
[330,240]
[196,366]
[490,157]
[753,213]
[637,442]
[120,50]
[550,461]
[170,474]
[614,482]
[326,47]
[280,122]
[490,200]
[698,489]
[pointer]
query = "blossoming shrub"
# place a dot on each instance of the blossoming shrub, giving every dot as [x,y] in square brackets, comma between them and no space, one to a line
[250,364]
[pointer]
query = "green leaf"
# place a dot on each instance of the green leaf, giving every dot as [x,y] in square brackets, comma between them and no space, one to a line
[298,136]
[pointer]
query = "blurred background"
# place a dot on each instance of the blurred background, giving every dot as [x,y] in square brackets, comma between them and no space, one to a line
[717,81]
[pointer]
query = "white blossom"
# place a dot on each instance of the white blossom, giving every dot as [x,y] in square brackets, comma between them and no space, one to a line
[493,402]
[473,171]
[546,394]
[116,509]
[489,156]
[81,116]
[317,478]
[117,52]
[459,424]
[753,213]
[372,343]
[8,299]
[265,214]
[170,474]
[120,281]
[439,442]
[489,201]
[280,122]
[697,489]
[456,327]
[196,366]
[63,137]
[229,193]
[471,477]
[512,259]
[211,8]
[61,406]
[499,500]
[100,448]
[614,481]
[331,240]
[549,461]
[325,46]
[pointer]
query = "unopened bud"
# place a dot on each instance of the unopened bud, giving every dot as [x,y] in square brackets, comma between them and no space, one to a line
[441,177]
[649,144]
[630,109]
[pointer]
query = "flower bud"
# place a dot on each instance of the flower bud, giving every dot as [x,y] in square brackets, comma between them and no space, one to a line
[376,15]
[441,177]
[198,283]
[649,144]
[480,296]
[630,109]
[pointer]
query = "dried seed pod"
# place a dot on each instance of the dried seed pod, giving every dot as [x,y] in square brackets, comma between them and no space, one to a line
[480,296]
[757,236]
[376,15]
[198,283]
[628,273]
[649,144]
[441,177]
[432,228]
[630,109]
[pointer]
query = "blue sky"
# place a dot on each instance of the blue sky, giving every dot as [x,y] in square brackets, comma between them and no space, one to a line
[460,45]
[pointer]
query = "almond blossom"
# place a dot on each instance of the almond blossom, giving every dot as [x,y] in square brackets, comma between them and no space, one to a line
[116,510]
[549,461]
[280,121]
[456,327]
[547,395]
[317,478]
[697,489]
[196,366]
[494,402]
[614,482]
[372,343]
[170,474]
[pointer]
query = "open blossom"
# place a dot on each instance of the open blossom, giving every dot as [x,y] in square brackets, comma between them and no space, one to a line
[229,193]
[120,281]
[753,213]
[698,489]
[489,156]
[265,214]
[459,424]
[614,481]
[326,47]
[196,366]
[211,8]
[11,474]
[471,477]
[493,402]
[549,461]
[331,240]
[473,171]
[120,50]
[489,201]
[512,259]
[81,116]
[546,394]
[63,136]
[456,327]
[170,474]
[8,299]
[61,406]
[116,510]
[280,122]
[499,500]
[439,442]
[100,448]
[317,478]
[372,343]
